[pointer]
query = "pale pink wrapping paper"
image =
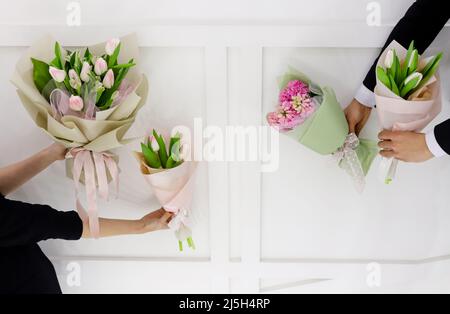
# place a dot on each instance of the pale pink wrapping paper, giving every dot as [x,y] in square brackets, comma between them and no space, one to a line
[174,189]
[398,114]
[407,115]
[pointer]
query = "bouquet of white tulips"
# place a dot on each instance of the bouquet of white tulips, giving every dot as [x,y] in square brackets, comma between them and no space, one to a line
[405,77]
[408,94]
[168,169]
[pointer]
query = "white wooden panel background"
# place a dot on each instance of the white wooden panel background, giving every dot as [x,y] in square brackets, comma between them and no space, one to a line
[300,229]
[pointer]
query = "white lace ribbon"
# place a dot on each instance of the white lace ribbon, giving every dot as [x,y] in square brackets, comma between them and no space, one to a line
[349,161]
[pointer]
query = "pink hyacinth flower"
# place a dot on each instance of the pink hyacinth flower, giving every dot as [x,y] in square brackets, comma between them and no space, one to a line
[294,88]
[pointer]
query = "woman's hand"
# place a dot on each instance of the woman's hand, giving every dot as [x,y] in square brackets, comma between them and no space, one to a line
[14,176]
[154,221]
[56,151]
[158,220]
[357,116]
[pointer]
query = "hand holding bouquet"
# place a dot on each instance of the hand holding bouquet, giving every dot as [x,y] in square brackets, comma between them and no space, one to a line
[86,100]
[312,116]
[408,94]
[165,167]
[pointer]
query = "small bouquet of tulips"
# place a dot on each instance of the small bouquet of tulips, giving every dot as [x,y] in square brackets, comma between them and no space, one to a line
[408,94]
[408,76]
[166,166]
[85,99]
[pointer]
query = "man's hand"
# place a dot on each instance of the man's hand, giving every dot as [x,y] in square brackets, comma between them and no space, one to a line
[404,146]
[357,115]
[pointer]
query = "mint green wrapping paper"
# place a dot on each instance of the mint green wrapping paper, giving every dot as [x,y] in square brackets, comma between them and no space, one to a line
[326,131]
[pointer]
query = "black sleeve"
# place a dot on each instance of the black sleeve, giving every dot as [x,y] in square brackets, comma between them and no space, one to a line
[442,134]
[22,224]
[422,23]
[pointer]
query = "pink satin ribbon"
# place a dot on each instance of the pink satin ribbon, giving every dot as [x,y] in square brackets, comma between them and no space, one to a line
[95,166]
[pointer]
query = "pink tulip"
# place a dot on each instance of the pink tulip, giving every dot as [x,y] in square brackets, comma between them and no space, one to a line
[85,71]
[108,80]
[100,66]
[57,74]
[76,103]
[111,46]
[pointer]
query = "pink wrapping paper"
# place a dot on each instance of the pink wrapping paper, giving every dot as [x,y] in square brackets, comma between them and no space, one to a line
[398,114]
[174,189]
[414,114]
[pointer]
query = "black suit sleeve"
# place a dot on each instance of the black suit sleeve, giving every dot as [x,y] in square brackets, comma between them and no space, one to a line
[23,224]
[442,134]
[422,23]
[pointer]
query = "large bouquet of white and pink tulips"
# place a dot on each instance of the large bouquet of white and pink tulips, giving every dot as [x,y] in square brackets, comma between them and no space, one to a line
[86,99]
[80,83]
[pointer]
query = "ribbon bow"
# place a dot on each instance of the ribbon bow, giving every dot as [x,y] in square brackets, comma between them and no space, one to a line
[349,161]
[180,218]
[181,225]
[94,166]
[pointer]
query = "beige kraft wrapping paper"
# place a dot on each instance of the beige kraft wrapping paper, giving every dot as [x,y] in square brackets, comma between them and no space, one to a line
[108,130]
[90,139]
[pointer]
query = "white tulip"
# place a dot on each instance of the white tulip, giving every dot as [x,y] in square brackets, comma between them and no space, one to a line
[57,74]
[74,81]
[154,144]
[100,66]
[108,80]
[389,61]
[111,46]
[85,71]
[416,75]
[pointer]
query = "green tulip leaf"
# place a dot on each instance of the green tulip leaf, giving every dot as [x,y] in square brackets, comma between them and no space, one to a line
[383,77]
[113,58]
[58,53]
[162,149]
[151,158]
[394,87]
[430,70]
[41,76]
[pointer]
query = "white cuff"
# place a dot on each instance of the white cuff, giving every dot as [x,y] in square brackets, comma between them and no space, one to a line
[365,97]
[433,145]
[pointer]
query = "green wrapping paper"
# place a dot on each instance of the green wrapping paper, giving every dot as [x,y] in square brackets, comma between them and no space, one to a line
[326,131]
